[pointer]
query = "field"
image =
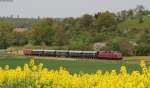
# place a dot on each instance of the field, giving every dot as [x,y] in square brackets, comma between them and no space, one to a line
[23,72]
[35,76]
[74,66]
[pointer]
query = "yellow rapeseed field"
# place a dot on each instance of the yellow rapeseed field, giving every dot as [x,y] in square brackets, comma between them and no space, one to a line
[32,76]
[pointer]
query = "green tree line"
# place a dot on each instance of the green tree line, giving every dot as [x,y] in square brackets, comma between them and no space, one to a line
[105,31]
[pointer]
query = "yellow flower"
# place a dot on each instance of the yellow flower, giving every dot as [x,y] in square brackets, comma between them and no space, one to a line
[40,77]
[123,69]
[40,66]
[31,63]
[18,68]
[34,68]
[142,64]
[6,67]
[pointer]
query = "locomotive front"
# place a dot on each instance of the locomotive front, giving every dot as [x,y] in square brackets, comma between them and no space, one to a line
[113,55]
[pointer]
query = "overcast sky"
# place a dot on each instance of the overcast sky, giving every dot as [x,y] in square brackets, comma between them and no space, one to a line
[65,8]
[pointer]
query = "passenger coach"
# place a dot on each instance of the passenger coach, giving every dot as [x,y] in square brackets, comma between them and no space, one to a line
[113,55]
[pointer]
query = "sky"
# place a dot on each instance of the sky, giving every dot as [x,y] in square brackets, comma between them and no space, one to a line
[65,8]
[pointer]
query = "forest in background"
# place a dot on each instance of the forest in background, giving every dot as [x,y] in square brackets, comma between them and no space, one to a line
[127,31]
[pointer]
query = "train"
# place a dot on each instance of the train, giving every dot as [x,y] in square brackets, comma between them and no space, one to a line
[109,55]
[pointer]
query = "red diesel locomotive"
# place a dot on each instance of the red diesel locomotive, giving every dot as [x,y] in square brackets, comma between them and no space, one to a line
[111,55]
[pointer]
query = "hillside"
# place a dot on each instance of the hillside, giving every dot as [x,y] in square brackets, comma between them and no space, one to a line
[133,23]
[100,32]
[20,22]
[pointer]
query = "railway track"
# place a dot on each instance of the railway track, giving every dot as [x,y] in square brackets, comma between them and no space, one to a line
[128,61]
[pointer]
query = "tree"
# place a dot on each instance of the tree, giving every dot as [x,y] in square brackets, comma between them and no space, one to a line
[5,34]
[123,45]
[86,21]
[143,49]
[106,20]
[140,8]
[79,40]
[131,13]
[19,39]
[140,12]
[123,15]
[60,38]
[69,23]
[97,14]
[42,32]
[145,37]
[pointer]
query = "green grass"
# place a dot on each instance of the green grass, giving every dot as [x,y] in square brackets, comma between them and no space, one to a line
[74,66]
[146,58]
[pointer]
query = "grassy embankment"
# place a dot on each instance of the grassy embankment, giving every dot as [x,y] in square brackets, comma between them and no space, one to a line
[75,66]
